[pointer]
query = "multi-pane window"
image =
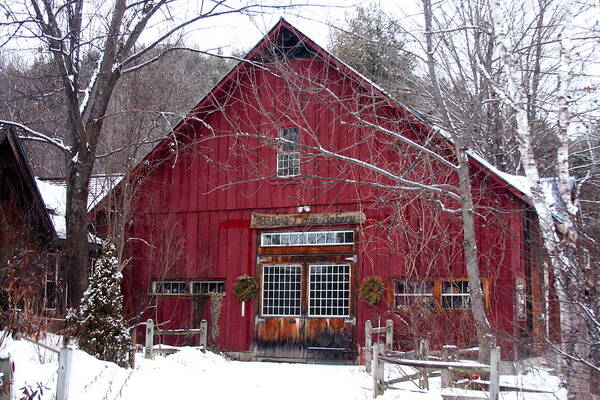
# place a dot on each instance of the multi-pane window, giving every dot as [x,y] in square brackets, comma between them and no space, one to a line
[329,291]
[281,290]
[169,287]
[418,293]
[288,156]
[435,293]
[455,294]
[206,287]
[188,287]
[316,238]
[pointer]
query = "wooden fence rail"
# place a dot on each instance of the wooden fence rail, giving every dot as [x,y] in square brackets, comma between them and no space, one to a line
[151,331]
[423,364]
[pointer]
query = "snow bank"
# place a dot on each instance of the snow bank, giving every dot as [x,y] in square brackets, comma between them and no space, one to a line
[193,374]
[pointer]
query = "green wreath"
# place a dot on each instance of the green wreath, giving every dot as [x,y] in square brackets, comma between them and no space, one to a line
[245,287]
[371,290]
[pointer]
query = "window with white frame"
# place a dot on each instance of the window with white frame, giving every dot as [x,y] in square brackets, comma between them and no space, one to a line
[170,288]
[329,291]
[455,294]
[315,238]
[281,290]
[207,287]
[288,156]
[414,293]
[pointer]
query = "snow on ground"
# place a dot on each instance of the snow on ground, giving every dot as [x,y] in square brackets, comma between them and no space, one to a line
[193,374]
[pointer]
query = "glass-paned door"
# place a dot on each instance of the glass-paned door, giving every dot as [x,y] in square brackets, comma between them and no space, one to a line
[305,307]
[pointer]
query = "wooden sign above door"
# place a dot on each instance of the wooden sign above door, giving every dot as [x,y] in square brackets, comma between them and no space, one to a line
[306,220]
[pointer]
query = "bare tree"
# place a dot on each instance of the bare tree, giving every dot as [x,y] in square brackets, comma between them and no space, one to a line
[69,31]
[484,332]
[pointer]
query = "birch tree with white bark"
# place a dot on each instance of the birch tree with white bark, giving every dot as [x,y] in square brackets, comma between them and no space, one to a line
[559,232]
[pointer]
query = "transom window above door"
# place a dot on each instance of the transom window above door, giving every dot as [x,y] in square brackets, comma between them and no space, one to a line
[314,238]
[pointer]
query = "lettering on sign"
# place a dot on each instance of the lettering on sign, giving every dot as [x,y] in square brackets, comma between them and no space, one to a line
[282,221]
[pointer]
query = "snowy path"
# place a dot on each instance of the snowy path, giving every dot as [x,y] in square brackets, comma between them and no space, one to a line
[190,372]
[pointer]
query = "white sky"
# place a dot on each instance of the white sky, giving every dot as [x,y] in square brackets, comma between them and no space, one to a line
[238,32]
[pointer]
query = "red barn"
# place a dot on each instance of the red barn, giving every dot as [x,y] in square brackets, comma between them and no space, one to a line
[295,170]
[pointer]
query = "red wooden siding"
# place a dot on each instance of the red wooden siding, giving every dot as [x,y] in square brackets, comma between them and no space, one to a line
[194,207]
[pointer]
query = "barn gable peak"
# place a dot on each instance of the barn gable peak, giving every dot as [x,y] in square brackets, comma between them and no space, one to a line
[283,44]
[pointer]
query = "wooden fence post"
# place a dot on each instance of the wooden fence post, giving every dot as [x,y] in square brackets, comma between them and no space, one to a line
[64,373]
[7,381]
[494,373]
[204,334]
[448,354]
[378,370]
[389,334]
[422,353]
[368,344]
[446,377]
[148,348]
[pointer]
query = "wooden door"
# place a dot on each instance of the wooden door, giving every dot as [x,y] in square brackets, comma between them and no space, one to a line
[306,308]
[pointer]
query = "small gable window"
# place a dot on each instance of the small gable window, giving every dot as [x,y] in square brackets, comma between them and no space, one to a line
[288,156]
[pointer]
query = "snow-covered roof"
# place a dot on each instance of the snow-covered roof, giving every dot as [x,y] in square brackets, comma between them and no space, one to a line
[54,197]
[518,182]
[521,183]
[54,194]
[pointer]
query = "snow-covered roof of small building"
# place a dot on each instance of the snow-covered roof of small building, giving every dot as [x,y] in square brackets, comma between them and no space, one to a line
[54,197]
[54,193]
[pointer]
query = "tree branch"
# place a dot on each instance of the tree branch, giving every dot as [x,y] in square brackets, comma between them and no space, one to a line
[39,136]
